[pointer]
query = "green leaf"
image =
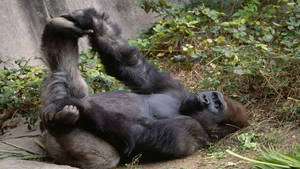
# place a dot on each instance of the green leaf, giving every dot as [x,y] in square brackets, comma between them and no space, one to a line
[268,38]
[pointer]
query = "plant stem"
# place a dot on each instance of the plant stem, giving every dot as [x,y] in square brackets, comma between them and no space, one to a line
[255,161]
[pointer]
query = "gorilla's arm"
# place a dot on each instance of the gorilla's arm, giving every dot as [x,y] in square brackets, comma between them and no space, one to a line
[120,59]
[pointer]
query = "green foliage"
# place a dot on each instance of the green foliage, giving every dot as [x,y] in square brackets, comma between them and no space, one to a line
[254,53]
[20,89]
[289,110]
[270,155]
[20,86]
[270,158]
[93,72]
[248,140]
[217,155]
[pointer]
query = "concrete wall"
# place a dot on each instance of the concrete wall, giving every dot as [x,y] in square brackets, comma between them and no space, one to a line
[22,21]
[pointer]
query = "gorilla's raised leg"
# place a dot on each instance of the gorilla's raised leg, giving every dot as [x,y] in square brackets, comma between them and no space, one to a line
[120,59]
[60,50]
[64,142]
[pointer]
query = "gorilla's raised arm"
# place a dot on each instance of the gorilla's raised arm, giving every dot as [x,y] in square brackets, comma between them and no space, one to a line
[122,61]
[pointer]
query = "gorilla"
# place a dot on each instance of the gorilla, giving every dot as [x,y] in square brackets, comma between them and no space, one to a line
[159,118]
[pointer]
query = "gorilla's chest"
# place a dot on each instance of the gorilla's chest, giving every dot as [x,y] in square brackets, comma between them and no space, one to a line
[154,106]
[161,106]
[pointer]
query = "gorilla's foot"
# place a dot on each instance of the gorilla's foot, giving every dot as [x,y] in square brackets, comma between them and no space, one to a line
[68,115]
[67,27]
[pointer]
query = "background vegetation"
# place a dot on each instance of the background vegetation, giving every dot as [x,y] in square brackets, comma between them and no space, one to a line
[251,52]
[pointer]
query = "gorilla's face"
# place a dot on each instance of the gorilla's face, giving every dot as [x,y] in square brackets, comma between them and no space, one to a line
[211,109]
[211,102]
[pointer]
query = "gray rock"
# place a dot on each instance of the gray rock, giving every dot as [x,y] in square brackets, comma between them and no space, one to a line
[24,164]
[22,137]
[23,22]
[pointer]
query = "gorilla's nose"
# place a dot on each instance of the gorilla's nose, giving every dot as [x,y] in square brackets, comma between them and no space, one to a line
[203,98]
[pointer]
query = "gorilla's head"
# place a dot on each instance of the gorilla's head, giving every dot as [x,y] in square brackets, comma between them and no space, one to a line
[217,113]
[210,106]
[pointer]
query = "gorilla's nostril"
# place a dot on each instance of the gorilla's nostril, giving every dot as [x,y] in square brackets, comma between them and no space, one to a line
[204,99]
[218,104]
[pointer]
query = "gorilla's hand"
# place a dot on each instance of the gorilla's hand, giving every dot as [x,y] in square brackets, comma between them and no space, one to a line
[90,19]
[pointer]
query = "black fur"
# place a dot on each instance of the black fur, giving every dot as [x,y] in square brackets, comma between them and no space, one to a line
[159,117]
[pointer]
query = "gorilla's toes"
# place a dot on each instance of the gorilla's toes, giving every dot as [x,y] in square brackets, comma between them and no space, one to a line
[68,115]
[66,27]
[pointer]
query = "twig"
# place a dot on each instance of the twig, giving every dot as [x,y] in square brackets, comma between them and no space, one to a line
[212,60]
[296,100]
[270,84]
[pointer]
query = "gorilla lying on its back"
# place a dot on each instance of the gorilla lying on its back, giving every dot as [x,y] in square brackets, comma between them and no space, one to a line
[159,118]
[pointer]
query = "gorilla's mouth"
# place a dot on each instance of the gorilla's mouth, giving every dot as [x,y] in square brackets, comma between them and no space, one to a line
[217,101]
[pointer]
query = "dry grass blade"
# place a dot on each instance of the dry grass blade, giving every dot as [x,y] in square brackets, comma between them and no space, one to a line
[19,147]
[25,155]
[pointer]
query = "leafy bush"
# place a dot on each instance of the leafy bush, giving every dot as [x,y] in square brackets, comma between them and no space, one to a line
[253,53]
[20,86]
[93,73]
[20,89]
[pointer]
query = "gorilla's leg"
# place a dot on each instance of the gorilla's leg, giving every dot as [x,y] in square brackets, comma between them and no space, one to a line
[169,138]
[122,61]
[60,50]
[64,142]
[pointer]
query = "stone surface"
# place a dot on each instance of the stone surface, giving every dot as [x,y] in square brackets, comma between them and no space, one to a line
[22,137]
[24,164]
[22,22]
